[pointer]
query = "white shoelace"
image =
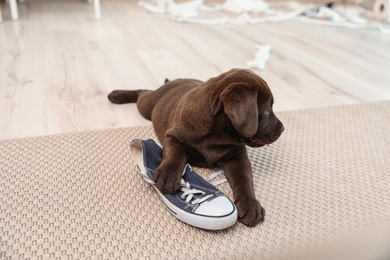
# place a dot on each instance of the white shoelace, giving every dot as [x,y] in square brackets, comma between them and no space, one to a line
[189,193]
[215,175]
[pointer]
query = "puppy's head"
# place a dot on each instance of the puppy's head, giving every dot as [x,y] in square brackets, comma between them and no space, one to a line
[247,101]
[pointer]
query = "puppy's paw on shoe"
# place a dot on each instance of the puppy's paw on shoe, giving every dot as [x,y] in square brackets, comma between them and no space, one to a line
[167,180]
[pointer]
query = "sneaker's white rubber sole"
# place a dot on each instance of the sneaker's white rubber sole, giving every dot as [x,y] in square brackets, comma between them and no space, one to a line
[193,219]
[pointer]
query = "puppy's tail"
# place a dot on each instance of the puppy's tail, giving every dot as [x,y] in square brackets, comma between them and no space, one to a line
[125,96]
[144,99]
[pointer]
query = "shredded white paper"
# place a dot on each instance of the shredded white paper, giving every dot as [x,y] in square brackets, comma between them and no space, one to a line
[242,12]
[261,56]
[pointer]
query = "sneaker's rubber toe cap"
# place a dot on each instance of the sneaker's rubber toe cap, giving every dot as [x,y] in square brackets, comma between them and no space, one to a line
[218,207]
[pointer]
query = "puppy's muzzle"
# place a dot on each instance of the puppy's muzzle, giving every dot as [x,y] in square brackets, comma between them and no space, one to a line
[272,137]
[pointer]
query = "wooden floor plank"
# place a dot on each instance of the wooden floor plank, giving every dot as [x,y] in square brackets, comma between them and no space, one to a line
[57,63]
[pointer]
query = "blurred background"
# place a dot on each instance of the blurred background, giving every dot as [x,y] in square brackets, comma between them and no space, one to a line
[59,59]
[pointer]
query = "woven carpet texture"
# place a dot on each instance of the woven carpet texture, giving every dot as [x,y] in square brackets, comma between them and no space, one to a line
[325,182]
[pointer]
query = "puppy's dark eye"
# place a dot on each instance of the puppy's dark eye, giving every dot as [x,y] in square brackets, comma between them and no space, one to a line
[266,112]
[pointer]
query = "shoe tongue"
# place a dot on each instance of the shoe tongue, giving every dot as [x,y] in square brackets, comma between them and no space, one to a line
[152,154]
[185,169]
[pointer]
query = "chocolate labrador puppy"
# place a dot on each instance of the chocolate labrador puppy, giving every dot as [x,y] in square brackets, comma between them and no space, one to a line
[209,124]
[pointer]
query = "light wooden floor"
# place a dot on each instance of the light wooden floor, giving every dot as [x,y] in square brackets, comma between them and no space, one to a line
[57,63]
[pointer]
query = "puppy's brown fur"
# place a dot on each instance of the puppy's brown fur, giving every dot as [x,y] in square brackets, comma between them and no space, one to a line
[208,124]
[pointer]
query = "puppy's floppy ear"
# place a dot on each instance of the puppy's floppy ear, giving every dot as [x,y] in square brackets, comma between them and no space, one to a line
[240,105]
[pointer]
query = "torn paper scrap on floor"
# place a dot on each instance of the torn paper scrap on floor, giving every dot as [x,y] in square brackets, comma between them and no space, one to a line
[241,19]
[261,56]
[241,6]
[185,9]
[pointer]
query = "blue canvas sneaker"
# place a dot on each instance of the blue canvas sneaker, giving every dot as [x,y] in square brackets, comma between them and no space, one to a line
[197,202]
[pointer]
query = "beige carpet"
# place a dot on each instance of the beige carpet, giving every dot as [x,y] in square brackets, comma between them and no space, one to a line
[325,186]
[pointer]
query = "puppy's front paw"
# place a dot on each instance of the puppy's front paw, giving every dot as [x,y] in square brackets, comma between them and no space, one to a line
[250,212]
[167,180]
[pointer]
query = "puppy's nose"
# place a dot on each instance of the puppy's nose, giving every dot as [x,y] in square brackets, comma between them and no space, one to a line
[281,129]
